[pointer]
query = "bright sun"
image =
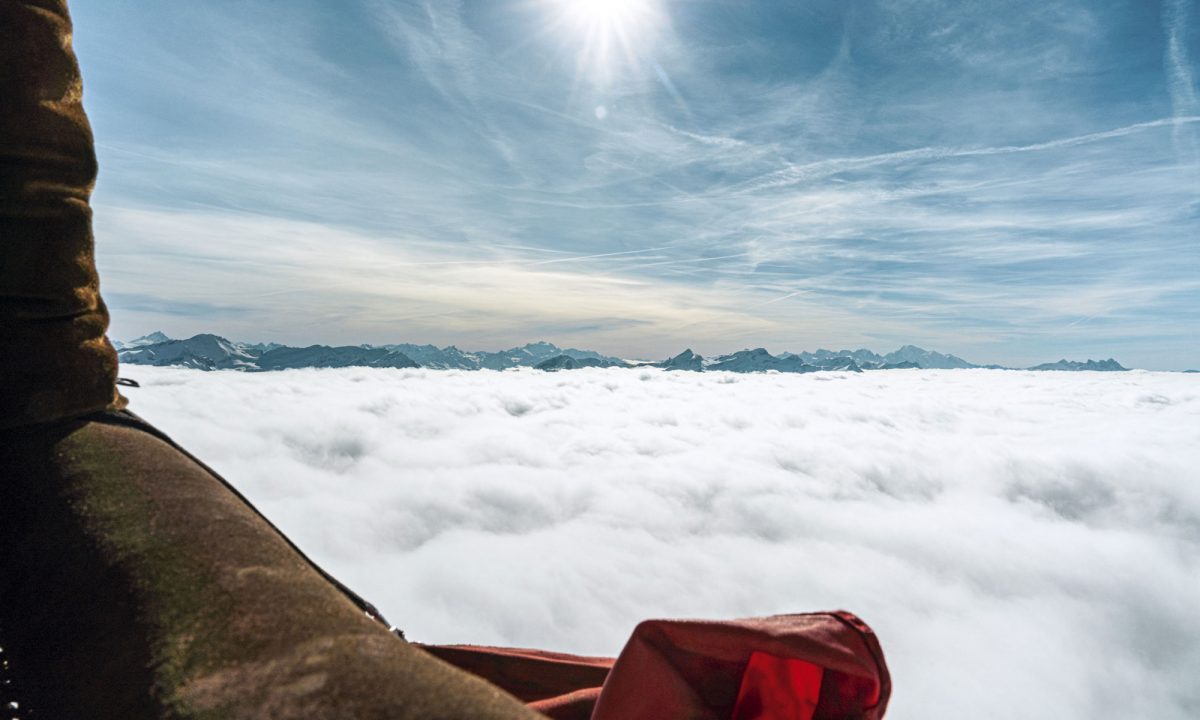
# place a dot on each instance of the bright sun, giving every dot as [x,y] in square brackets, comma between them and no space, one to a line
[615,15]
[607,32]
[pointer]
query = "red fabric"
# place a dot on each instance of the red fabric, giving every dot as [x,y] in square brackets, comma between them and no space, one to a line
[559,686]
[693,670]
[778,688]
[818,666]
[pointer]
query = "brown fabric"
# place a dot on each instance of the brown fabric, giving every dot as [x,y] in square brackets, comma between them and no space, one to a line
[134,584]
[54,359]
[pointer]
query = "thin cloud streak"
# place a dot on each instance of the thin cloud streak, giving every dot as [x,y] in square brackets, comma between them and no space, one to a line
[1179,77]
[786,297]
[835,166]
[599,255]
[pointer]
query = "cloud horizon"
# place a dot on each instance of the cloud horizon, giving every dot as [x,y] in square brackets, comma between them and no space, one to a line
[1025,544]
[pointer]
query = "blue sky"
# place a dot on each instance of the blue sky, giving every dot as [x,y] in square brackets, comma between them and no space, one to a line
[1012,182]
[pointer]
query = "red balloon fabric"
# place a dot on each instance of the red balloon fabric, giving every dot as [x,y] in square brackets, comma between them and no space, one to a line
[774,686]
[814,666]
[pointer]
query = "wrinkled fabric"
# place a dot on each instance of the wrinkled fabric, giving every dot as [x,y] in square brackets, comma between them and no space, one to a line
[55,361]
[816,666]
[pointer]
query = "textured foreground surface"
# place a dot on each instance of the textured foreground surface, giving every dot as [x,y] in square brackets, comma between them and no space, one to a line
[1026,544]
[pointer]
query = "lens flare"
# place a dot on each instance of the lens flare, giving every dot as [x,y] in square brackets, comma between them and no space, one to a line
[606,34]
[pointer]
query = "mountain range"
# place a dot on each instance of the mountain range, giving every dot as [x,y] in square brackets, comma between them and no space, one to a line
[1103,365]
[212,352]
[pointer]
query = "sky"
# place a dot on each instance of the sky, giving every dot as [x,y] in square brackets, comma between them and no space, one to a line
[1024,544]
[1011,182]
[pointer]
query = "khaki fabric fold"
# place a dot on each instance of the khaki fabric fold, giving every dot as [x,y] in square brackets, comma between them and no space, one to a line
[55,361]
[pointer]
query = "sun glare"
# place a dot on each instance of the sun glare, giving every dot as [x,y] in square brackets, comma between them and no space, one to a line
[607,33]
[614,14]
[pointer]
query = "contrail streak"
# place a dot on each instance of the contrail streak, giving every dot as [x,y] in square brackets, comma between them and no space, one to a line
[1180,83]
[824,168]
[784,297]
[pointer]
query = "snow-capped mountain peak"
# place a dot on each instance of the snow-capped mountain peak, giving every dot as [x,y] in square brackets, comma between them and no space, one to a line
[151,339]
[212,352]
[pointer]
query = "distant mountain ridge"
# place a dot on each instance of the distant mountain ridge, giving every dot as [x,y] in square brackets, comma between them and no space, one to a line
[212,352]
[202,352]
[1108,365]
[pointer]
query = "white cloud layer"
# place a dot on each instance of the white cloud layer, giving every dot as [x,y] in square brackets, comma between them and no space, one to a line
[1025,544]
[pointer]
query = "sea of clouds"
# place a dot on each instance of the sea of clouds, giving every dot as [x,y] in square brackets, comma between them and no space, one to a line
[1027,545]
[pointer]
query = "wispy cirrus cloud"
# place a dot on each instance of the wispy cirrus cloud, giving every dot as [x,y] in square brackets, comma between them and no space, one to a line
[924,171]
[1181,77]
[354,287]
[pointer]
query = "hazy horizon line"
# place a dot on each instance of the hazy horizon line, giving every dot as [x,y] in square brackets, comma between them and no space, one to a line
[637,358]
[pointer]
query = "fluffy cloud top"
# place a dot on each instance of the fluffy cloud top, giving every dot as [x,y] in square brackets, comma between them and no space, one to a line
[1025,544]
